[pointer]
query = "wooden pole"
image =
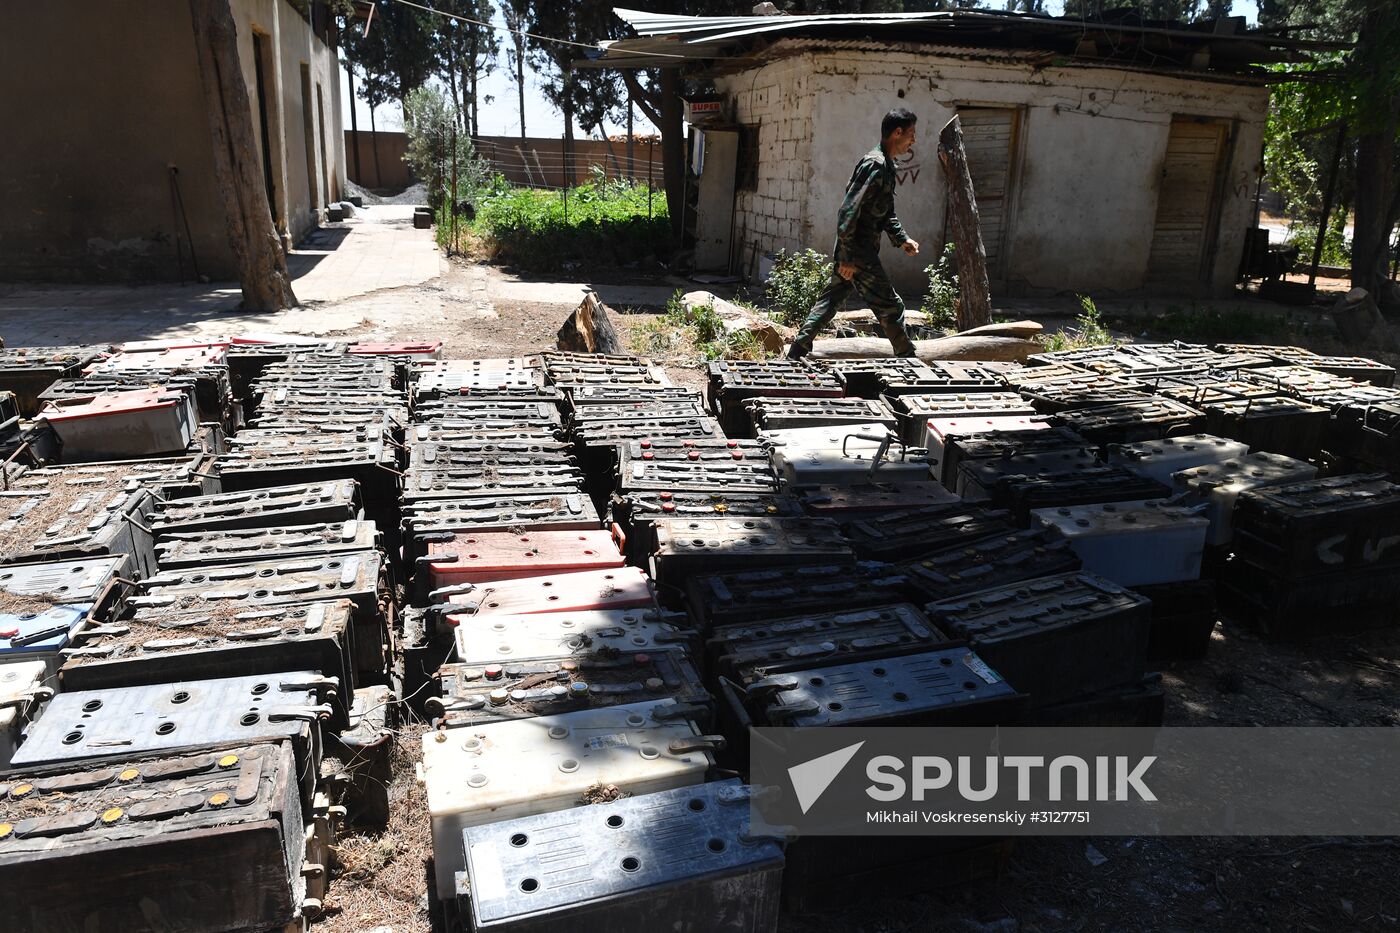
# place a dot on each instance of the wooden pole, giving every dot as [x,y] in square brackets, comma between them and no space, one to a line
[262,264]
[975,306]
[1327,202]
[354,124]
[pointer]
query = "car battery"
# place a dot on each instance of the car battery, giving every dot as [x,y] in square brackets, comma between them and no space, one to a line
[360,755]
[853,454]
[27,371]
[597,439]
[1159,459]
[426,453]
[1022,495]
[1040,438]
[504,382]
[151,646]
[1370,436]
[490,482]
[247,361]
[1080,390]
[779,414]
[480,557]
[752,651]
[206,367]
[1279,425]
[1219,485]
[1133,543]
[1129,422]
[696,469]
[619,588]
[981,480]
[638,376]
[276,507]
[641,409]
[1348,404]
[413,352]
[91,725]
[572,512]
[122,424]
[352,412]
[864,378]
[939,687]
[496,639]
[1183,618]
[43,605]
[1298,381]
[752,595]
[1054,638]
[852,503]
[464,436]
[915,410]
[425,645]
[679,859]
[910,533]
[213,840]
[991,562]
[1211,387]
[172,478]
[685,547]
[1142,705]
[524,688]
[946,376]
[1325,604]
[586,396]
[475,776]
[734,382]
[1325,525]
[944,434]
[23,686]
[1350,367]
[62,521]
[296,461]
[488,411]
[635,511]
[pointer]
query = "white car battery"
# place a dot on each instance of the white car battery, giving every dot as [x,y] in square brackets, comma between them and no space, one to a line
[677,860]
[23,685]
[916,410]
[123,424]
[938,432]
[853,453]
[43,605]
[1133,543]
[1220,484]
[495,639]
[1159,459]
[476,775]
[618,588]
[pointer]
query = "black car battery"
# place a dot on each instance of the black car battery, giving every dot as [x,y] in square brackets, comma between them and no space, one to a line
[686,547]
[1127,422]
[1319,605]
[748,652]
[731,467]
[1279,424]
[1141,705]
[1048,395]
[248,361]
[598,439]
[524,384]
[864,378]
[1020,495]
[210,840]
[778,414]
[959,448]
[991,562]
[868,500]
[470,408]
[911,533]
[751,595]
[358,758]
[524,688]
[152,646]
[945,376]
[634,513]
[642,408]
[1370,436]
[734,382]
[465,435]
[583,397]
[1350,367]
[490,481]
[192,549]
[1183,618]
[428,455]
[1210,386]
[27,371]
[1347,522]
[914,410]
[530,511]
[277,506]
[1298,381]
[981,480]
[638,375]
[1056,638]
[46,518]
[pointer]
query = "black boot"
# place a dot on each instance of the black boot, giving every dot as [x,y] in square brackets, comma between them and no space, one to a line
[797,351]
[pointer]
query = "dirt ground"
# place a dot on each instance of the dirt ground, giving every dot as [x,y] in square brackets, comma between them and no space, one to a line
[1049,884]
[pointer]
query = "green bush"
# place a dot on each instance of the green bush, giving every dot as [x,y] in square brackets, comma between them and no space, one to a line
[1336,248]
[694,330]
[603,222]
[794,284]
[1207,325]
[1089,330]
[940,305]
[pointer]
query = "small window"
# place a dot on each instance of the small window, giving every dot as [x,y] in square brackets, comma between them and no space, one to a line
[747,179]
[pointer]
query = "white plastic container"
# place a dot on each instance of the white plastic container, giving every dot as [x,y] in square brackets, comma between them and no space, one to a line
[1160,459]
[503,770]
[1220,485]
[21,689]
[145,422]
[495,639]
[843,455]
[1133,543]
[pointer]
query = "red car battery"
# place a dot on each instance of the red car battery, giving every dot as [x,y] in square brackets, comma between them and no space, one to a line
[187,550]
[684,547]
[751,595]
[27,371]
[417,352]
[992,562]
[123,424]
[480,557]
[616,588]
[910,533]
[334,501]
[1131,421]
[853,503]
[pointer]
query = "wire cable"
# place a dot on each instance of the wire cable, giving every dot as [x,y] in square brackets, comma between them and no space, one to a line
[521,32]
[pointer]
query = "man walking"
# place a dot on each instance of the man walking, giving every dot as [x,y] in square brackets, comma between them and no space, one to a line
[867,210]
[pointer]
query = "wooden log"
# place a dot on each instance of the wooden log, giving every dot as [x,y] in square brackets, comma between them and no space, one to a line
[975,307]
[262,264]
[589,329]
[1023,329]
[959,347]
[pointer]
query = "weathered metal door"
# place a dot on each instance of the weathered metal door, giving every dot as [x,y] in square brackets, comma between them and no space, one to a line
[989,136]
[1183,236]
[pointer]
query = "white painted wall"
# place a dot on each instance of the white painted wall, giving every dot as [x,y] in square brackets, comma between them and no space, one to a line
[1091,147]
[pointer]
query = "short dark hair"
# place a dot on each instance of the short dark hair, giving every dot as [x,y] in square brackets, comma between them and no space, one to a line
[897,119]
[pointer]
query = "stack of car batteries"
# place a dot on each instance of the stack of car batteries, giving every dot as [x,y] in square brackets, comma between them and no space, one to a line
[867,378]
[1316,557]
[28,371]
[734,382]
[200,365]
[943,376]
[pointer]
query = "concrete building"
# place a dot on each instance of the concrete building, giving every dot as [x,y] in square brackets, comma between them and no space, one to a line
[103,99]
[1106,157]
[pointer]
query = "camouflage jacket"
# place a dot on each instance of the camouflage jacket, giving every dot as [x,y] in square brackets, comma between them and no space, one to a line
[867,210]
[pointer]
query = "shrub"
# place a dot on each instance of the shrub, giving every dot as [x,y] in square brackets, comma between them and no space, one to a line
[940,306]
[1089,330]
[794,284]
[1336,248]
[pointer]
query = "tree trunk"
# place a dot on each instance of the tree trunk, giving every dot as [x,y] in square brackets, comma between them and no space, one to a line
[590,330]
[1375,163]
[673,150]
[374,141]
[262,265]
[631,167]
[959,347]
[975,306]
[569,179]
[354,124]
[452,78]
[470,77]
[520,80]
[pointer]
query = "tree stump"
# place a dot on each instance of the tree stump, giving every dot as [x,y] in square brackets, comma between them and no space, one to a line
[589,329]
[975,307]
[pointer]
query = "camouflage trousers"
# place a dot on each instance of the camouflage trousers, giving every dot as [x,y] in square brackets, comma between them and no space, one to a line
[874,285]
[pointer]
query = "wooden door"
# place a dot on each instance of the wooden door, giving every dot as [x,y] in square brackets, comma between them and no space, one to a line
[989,136]
[1183,235]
